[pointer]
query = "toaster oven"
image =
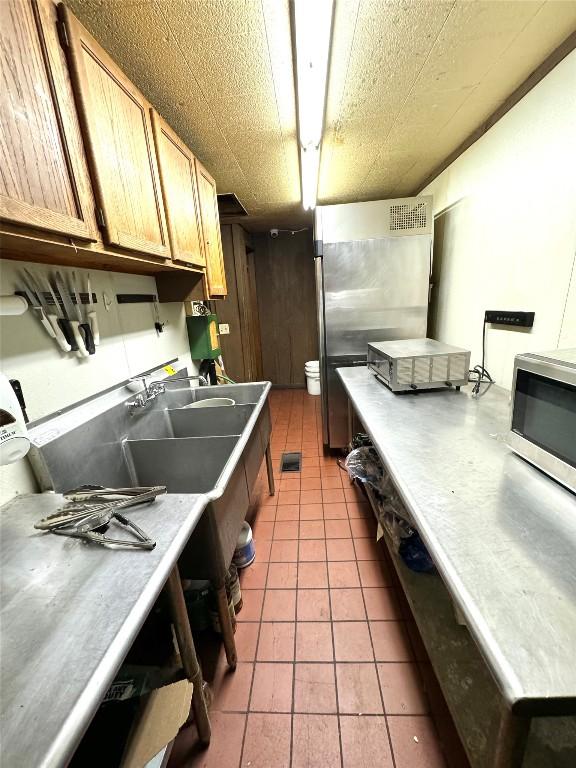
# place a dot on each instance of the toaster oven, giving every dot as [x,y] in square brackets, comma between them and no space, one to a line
[413,364]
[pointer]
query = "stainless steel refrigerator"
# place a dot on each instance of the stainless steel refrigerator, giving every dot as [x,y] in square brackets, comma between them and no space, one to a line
[372,275]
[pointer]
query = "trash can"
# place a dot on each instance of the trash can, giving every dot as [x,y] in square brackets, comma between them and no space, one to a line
[312,371]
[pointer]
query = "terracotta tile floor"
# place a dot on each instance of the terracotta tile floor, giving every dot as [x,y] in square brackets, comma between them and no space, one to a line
[330,669]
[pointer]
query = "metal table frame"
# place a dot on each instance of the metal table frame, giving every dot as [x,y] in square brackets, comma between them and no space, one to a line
[446,431]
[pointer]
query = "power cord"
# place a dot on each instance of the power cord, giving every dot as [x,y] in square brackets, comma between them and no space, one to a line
[479,371]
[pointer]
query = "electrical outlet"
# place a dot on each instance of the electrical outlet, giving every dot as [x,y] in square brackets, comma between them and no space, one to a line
[505,317]
[223,329]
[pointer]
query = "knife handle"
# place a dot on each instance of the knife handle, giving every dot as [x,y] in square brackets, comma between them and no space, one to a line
[82,351]
[58,335]
[93,318]
[68,334]
[88,338]
[44,320]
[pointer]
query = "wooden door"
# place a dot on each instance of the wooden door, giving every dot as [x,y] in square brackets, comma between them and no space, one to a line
[44,182]
[247,302]
[232,344]
[178,179]
[241,348]
[215,274]
[254,319]
[287,305]
[115,119]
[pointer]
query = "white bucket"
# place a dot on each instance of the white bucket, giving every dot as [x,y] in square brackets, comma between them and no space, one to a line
[312,371]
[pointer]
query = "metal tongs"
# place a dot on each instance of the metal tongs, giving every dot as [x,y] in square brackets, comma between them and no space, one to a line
[93,507]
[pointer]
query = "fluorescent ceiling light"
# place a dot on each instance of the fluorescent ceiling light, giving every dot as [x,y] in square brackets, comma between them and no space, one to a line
[309,165]
[312,28]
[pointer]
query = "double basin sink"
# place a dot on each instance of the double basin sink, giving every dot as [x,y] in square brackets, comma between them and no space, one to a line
[216,451]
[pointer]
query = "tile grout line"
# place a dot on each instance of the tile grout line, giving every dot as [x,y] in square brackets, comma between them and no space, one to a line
[322,714]
[430,710]
[377,675]
[338,714]
[255,656]
[295,637]
[357,621]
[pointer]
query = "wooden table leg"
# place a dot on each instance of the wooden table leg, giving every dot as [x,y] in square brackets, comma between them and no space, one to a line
[270,470]
[188,654]
[225,622]
[511,740]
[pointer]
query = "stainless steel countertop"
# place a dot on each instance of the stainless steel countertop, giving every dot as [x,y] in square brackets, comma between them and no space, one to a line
[502,534]
[69,612]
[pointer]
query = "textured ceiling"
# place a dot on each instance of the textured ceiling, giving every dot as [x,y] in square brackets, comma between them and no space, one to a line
[409,81]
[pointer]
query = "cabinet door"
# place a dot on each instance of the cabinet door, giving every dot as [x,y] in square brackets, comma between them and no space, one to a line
[216,277]
[44,182]
[178,178]
[115,119]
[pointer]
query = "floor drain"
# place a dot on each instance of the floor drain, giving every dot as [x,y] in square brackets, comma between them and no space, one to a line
[291,462]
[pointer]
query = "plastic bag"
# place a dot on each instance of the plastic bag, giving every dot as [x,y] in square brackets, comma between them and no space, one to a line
[363,464]
[364,467]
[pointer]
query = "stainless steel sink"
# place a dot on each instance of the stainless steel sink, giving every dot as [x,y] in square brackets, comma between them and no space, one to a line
[205,422]
[215,452]
[182,464]
[242,394]
[226,420]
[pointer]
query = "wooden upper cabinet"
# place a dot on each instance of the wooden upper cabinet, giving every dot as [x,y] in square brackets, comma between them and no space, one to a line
[215,274]
[178,178]
[44,182]
[116,123]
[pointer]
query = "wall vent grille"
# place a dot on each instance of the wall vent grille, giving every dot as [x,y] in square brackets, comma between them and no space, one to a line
[408,216]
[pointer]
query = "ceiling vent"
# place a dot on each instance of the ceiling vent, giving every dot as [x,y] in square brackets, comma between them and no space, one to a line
[230,207]
[408,216]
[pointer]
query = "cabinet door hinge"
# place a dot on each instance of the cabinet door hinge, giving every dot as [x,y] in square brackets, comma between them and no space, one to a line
[100,220]
[62,34]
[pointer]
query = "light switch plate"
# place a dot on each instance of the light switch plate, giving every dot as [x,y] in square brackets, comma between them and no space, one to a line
[223,329]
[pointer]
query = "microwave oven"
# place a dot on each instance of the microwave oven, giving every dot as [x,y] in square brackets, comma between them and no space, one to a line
[543,423]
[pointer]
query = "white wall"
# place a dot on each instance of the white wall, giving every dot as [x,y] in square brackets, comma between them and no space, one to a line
[52,379]
[509,239]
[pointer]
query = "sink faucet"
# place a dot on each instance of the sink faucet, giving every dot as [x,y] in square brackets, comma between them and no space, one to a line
[155,388]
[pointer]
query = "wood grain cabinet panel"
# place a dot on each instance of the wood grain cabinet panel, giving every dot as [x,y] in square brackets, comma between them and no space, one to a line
[241,347]
[178,177]
[115,118]
[44,182]
[215,274]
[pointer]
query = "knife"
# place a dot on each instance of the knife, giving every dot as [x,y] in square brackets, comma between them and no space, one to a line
[60,320]
[35,304]
[50,315]
[92,316]
[85,329]
[69,326]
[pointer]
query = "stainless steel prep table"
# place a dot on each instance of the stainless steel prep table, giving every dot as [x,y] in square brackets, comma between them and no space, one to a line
[69,614]
[502,534]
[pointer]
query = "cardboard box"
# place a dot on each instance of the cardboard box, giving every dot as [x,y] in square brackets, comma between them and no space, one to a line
[163,713]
